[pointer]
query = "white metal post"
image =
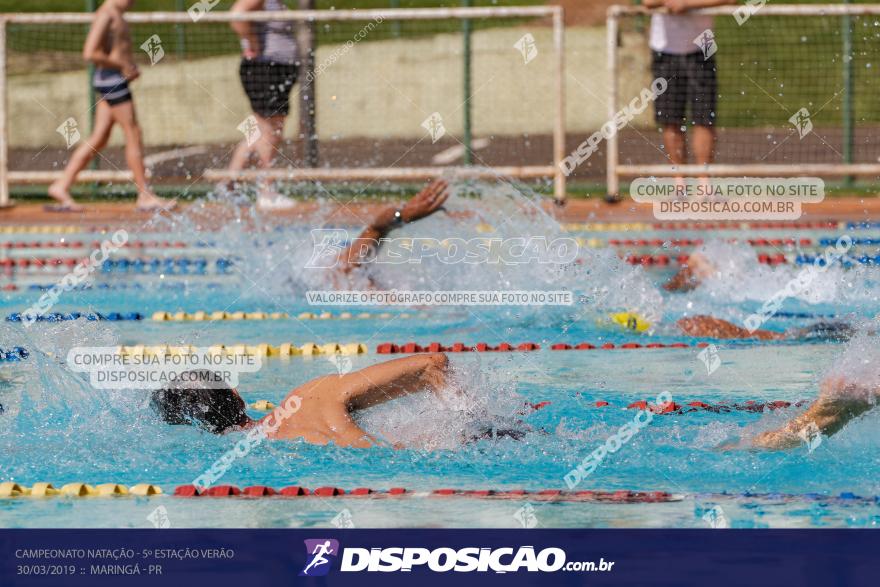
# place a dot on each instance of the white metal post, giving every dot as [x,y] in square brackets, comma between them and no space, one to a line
[612,180]
[4,132]
[559,127]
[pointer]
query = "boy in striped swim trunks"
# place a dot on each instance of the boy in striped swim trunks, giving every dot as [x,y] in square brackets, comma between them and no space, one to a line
[108,46]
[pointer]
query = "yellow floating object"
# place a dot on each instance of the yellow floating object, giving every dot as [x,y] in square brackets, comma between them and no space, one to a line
[161,316]
[238,349]
[306,316]
[112,489]
[325,316]
[12,489]
[279,315]
[217,349]
[631,321]
[43,490]
[263,405]
[218,315]
[259,350]
[180,316]
[330,348]
[78,490]
[143,489]
[200,315]
[310,348]
[255,316]
[354,348]
[364,315]
[182,350]
[345,316]
[235,316]
[159,350]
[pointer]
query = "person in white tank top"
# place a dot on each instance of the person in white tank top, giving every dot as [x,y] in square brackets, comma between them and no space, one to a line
[682,46]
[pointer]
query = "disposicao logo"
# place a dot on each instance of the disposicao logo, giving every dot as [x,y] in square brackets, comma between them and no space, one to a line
[321,552]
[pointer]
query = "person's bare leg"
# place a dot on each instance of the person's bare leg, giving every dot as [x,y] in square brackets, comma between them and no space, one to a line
[60,189]
[240,159]
[675,141]
[124,115]
[703,146]
[268,145]
[268,148]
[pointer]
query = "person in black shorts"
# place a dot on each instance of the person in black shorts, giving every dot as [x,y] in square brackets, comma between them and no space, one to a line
[268,72]
[683,48]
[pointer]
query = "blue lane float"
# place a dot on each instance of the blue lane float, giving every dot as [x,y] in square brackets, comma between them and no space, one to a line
[183,266]
[180,286]
[14,354]
[831,241]
[845,261]
[91,316]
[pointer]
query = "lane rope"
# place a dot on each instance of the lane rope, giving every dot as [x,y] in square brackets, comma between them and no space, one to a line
[672,408]
[356,348]
[207,316]
[11,489]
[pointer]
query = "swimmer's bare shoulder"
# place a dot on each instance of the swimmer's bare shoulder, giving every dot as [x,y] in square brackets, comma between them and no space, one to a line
[326,403]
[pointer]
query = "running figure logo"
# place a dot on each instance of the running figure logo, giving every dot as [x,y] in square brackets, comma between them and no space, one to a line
[527,47]
[70,131]
[250,129]
[801,121]
[706,43]
[434,125]
[153,48]
[317,562]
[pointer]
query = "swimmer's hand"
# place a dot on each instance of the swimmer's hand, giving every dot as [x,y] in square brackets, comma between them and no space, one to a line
[426,202]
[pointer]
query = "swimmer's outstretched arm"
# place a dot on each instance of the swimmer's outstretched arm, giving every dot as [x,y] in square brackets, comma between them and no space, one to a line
[392,379]
[423,204]
[840,401]
[718,328]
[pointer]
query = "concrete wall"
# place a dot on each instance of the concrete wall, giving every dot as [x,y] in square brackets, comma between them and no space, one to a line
[374,89]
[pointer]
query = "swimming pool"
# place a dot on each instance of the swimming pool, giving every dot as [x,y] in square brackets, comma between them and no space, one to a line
[56,428]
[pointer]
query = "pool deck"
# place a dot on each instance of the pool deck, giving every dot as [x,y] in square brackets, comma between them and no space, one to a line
[580,210]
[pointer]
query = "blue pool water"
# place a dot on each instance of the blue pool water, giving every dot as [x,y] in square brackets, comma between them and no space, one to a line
[57,428]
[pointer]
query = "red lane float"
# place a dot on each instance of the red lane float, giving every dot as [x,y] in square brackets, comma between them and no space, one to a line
[695,242]
[96,245]
[663,260]
[389,348]
[698,406]
[263,491]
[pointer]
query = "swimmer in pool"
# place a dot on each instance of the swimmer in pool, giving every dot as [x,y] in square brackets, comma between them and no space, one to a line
[320,411]
[697,269]
[712,327]
[840,401]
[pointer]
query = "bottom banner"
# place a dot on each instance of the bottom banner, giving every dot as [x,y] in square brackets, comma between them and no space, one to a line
[438,557]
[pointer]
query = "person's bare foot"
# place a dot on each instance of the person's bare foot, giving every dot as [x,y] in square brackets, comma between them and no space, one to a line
[150,202]
[65,201]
